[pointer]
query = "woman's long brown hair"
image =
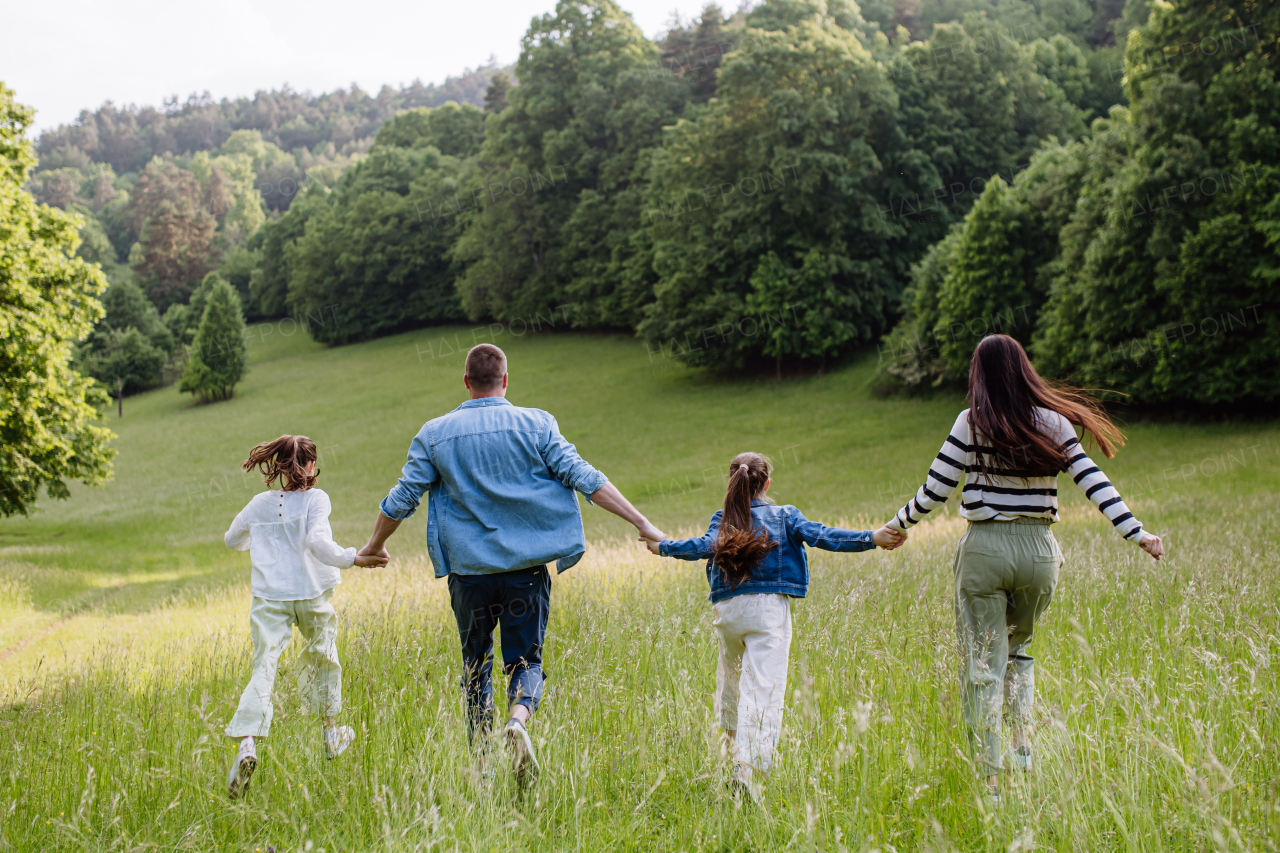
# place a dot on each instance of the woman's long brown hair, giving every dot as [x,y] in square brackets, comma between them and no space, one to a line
[739,546]
[1004,390]
[286,460]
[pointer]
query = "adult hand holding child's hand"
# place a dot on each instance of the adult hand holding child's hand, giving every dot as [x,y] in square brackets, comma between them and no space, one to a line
[649,532]
[367,557]
[889,538]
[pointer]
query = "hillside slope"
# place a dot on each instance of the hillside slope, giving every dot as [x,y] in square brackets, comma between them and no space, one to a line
[662,432]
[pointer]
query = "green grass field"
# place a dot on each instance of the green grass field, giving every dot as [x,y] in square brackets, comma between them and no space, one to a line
[124,641]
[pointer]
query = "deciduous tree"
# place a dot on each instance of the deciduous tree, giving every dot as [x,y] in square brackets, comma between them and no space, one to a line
[48,300]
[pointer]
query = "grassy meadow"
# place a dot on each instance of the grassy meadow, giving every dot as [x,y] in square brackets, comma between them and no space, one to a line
[124,633]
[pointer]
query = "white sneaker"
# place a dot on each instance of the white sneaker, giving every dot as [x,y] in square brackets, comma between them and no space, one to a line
[992,797]
[743,786]
[522,757]
[1022,758]
[242,769]
[337,739]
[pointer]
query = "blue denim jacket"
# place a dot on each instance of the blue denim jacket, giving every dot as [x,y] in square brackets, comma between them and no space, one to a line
[785,569]
[502,481]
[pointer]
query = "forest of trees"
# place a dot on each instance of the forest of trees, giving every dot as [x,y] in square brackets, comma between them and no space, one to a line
[770,187]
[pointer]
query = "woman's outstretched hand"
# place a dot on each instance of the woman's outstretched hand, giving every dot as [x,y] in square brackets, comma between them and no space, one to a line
[889,538]
[1153,545]
[366,561]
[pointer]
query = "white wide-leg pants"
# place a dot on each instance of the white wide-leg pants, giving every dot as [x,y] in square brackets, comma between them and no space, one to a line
[754,631]
[319,672]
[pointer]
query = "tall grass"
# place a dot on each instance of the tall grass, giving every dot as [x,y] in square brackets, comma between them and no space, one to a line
[1156,719]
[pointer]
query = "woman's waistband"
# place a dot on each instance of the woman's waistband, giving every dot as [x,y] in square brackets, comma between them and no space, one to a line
[1017,524]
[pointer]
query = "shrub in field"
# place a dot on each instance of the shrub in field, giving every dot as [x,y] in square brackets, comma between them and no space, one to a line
[130,343]
[124,359]
[48,300]
[218,357]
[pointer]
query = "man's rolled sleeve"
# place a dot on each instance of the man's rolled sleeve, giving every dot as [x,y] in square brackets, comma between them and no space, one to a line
[569,468]
[416,477]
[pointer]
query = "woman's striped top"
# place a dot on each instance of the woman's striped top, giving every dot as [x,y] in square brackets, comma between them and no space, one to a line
[1007,492]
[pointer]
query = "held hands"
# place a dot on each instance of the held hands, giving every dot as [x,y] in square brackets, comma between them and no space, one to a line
[368,558]
[1153,545]
[889,538]
[650,535]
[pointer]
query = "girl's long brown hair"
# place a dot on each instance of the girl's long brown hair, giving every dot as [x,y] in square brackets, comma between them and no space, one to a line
[286,460]
[1004,388]
[739,546]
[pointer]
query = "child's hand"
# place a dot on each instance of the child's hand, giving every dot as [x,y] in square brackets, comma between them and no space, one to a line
[889,538]
[652,546]
[366,561]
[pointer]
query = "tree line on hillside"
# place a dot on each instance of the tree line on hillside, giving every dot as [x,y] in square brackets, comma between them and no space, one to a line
[774,185]
[743,167]
[126,138]
[169,196]
[159,222]
[1143,257]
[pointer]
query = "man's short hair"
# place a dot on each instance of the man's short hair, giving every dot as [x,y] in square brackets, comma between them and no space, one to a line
[486,365]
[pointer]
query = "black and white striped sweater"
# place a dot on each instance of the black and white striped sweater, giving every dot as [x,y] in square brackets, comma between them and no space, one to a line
[1007,492]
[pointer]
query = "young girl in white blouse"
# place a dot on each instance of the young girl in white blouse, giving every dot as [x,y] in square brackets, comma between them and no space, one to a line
[296,564]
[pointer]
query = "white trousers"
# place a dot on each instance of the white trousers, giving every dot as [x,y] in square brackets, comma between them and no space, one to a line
[319,673]
[754,631]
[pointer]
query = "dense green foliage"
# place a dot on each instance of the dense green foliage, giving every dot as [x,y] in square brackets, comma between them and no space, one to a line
[776,186]
[792,161]
[218,358]
[130,344]
[306,129]
[47,303]
[1145,257]
[808,137]
[560,194]
[374,256]
[169,194]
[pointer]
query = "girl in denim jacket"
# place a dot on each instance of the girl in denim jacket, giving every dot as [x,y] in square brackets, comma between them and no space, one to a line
[756,563]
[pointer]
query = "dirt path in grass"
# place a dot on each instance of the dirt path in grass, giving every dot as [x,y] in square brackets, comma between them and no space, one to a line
[60,622]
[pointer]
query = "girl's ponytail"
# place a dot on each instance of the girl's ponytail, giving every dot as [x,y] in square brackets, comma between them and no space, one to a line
[739,546]
[286,460]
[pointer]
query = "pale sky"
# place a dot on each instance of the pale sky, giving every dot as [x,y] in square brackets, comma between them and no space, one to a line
[64,57]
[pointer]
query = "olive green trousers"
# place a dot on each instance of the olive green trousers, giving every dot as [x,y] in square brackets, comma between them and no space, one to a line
[1005,574]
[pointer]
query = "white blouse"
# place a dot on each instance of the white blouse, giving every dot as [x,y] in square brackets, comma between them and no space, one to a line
[290,545]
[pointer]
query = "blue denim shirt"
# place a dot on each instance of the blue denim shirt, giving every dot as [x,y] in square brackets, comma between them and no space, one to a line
[785,569]
[501,481]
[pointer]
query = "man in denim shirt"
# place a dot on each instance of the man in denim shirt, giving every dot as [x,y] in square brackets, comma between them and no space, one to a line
[501,480]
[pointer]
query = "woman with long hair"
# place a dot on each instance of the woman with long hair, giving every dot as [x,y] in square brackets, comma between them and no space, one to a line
[1004,453]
